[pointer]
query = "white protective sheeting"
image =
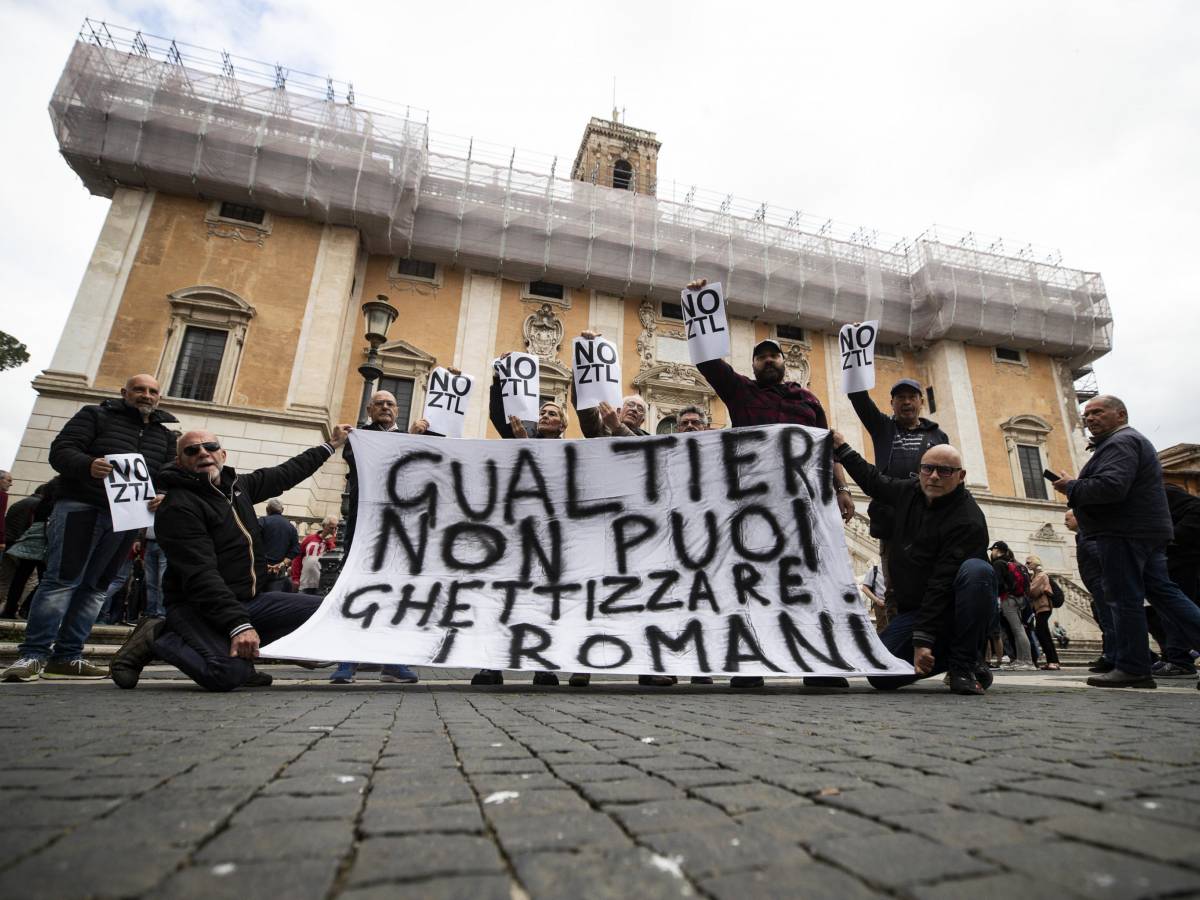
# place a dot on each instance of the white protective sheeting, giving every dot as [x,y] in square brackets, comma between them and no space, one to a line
[124,118]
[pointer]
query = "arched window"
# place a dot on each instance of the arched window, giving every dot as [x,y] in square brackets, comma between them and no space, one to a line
[623,175]
[666,426]
[204,343]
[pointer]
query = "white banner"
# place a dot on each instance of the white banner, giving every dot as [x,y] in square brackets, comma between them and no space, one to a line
[705,323]
[597,372]
[520,385]
[129,491]
[717,552]
[446,402]
[857,344]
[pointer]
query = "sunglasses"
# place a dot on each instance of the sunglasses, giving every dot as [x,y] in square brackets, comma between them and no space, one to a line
[194,449]
[943,471]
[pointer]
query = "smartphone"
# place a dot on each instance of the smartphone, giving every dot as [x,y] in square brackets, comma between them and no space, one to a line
[1050,476]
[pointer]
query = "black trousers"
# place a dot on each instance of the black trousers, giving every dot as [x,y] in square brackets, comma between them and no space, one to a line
[201,652]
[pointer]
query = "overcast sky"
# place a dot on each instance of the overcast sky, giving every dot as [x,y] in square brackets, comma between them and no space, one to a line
[1069,125]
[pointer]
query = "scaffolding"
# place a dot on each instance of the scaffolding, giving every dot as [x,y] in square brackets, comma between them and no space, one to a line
[135,111]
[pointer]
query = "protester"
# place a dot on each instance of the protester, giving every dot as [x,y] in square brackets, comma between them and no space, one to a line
[1087,560]
[20,556]
[1041,595]
[209,532]
[381,416]
[874,586]
[1060,635]
[154,566]
[281,545]
[1119,500]
[313,547]
[768,399]
[1183,567]
[83,550]
[5,483]
[1013,584]
[943,586]
[690,419]
[899,442]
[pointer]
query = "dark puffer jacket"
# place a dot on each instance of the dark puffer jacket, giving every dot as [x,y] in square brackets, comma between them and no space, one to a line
[113,426]
[1119,493]
[930,541]
[212,539]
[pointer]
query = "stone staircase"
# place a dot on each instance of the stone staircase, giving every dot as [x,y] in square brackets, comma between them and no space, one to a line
[101,646]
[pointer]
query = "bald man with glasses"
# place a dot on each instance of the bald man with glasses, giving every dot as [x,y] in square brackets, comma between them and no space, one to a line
[217,611]
[942,583]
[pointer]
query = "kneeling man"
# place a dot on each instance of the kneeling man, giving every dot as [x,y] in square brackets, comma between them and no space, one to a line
[945,589]
[216,567]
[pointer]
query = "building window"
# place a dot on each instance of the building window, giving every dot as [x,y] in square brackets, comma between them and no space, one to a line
[666,425]
[622,175]
[204,343]
[1030,459]
[251,214]
[887,351]
[402,390]
[1009,355]
[790,333]
[546,289]
[671,311]
[417,268]
[199,363]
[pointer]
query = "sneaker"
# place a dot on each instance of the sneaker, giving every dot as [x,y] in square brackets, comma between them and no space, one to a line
[1116,679]
[258,679]
[1170,670]
[343,674]
[701,679]
[135,654]
[746,681]
[27,668]
[545,679]
[75,668]
[580,679]
[1024,667]
[984,677]
[398,675]
[965,683]
[657,680]
[826,681]
[1005,659]
[1100,665]
[488,676]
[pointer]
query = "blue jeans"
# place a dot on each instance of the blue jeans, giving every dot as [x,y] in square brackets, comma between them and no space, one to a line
[959,647]
[1178,649]
[83,557]
[347,670]
[1133,570]
[154,564]
[107,615]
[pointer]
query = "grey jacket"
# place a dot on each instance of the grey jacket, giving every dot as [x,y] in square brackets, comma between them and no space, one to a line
[1119,493]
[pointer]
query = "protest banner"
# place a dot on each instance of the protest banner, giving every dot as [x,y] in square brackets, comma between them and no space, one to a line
[705,323]
[597,371]
[519,375]
[446,402]
[717,552]
[857,345]
[129,489]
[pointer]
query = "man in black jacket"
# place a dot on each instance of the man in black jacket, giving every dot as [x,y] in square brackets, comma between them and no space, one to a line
[84,553]
[899,441]
[1183,567]
[1119,500]
[215,568]
[943,586]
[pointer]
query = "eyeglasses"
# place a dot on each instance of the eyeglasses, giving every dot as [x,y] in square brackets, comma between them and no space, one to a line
[943,471]
[194,449]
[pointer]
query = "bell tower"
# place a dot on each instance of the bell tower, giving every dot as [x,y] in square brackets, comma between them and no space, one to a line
[617,155]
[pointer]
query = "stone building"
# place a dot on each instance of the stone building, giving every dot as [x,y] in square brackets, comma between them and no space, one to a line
[249,222]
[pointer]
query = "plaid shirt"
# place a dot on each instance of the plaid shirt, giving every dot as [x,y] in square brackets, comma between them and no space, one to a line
[749,403]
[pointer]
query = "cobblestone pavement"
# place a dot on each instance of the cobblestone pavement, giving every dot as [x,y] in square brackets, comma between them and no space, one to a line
[440,790]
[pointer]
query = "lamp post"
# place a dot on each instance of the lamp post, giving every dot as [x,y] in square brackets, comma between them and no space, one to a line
[379,315]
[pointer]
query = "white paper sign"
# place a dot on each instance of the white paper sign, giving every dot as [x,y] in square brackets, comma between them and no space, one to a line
[705,323]
[129,491]
[714,553]
[519,375]
[446,402]
[857,344]
[597,371]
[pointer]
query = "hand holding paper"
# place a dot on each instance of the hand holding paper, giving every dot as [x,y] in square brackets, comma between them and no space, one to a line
[705,321]
[857,345]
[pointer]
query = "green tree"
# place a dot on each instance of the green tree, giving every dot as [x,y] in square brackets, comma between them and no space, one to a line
[12,352]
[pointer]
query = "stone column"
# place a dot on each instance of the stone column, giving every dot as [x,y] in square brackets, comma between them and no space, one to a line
[85,335]
[606,314]
[475,343]
[741,346]
[319,349]
[956,411]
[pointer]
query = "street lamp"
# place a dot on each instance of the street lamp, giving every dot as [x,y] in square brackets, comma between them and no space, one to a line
[379,315]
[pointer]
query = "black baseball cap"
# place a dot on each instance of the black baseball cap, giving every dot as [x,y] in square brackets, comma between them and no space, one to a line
[907,383]
[767,346]
[999,545]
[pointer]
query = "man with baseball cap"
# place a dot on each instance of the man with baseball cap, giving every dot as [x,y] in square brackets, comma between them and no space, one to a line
[899,441]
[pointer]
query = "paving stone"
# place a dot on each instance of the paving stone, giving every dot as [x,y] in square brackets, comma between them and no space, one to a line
[1179,810]
[690,778]
[283,840]
[804,824]
[560,831]
[881,801]
[295,879]
[1076,792]
[385,859]
[742,798]
[589,774]
[467,887]
[631,790]
[381,817]
[897,860]
[533,803]
[1019,805]
[803,881]
[668,815]
[993,887]
[408,794]
[964,830]
[1134,834]
[614,876]
[1093,871]
[710,852]
[84,867]
[262,810]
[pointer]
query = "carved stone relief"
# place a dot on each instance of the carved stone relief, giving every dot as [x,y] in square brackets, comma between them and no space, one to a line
[543,332]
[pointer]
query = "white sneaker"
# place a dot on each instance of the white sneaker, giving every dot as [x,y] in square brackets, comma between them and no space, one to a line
[1005,660]
[27,668]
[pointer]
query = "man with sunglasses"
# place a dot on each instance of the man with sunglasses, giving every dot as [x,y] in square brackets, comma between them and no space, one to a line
[217,614]
[943,586]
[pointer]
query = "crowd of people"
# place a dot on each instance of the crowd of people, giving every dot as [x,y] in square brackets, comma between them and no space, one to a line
[218,580]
